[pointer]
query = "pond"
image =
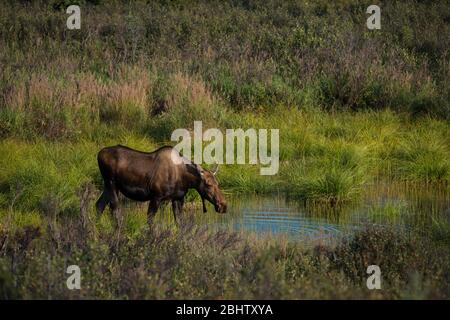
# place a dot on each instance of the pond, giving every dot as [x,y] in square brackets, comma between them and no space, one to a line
[383,204]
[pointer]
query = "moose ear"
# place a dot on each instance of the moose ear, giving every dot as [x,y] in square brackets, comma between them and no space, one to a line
[215,169]
[199,170]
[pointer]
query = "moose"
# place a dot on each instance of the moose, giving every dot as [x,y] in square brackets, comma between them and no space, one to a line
[158,176]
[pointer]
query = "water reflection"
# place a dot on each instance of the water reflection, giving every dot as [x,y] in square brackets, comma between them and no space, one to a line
[382,204]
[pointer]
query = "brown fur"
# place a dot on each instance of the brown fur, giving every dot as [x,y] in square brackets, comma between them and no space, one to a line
[155,177]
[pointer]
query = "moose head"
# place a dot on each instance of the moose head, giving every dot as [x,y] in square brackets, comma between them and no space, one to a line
[209,189]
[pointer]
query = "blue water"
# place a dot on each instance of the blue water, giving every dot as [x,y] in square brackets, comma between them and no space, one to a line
[281,220]
[274,216]
[382,206]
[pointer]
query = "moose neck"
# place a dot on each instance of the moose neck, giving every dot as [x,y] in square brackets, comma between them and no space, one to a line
[192,177]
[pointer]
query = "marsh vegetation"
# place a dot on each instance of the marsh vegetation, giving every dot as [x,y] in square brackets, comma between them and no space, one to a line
[362,115]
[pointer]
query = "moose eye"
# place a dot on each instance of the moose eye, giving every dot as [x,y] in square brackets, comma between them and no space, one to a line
[208,183]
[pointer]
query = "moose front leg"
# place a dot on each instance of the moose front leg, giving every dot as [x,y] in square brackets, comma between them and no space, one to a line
[101,203]
[204,206]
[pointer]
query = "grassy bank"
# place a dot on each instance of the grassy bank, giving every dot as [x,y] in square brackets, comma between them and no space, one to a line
[323,157]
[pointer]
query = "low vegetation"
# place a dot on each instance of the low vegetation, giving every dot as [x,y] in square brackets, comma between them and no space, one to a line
[197,262]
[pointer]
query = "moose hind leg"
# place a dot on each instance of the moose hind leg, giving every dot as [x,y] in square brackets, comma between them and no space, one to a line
[110,196]
[114,206]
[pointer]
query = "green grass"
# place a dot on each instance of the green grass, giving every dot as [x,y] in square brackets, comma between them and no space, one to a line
[392,211]
[323,157]
[423,156]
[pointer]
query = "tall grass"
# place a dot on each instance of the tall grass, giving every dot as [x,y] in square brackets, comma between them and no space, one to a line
[323,157]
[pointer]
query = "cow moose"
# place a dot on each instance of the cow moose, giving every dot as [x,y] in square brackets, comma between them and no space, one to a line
[158,176]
